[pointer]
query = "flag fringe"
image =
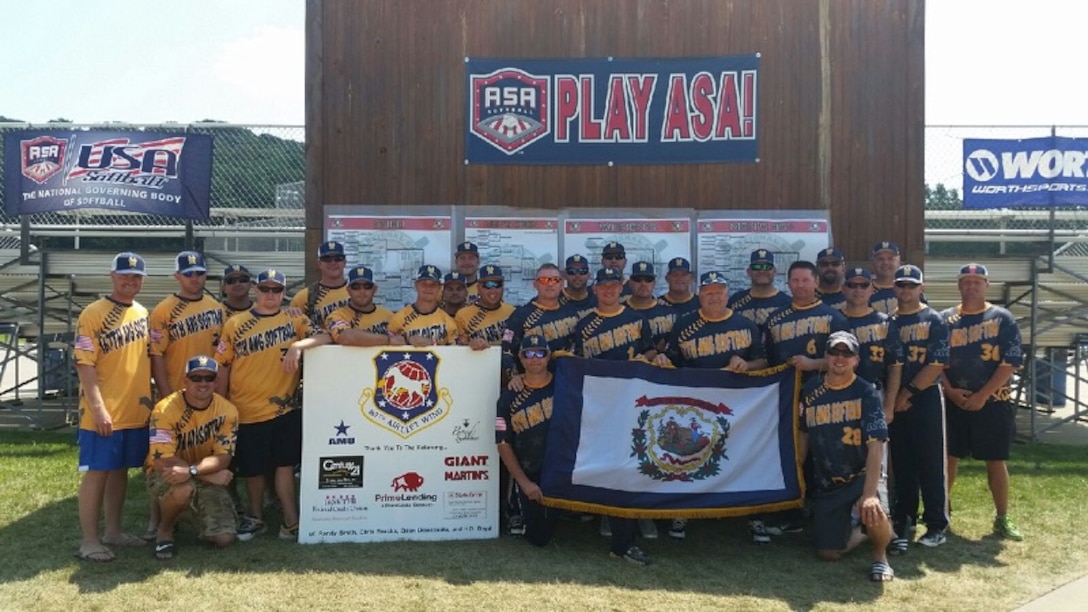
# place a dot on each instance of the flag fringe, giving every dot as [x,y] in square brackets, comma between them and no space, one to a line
[689,513]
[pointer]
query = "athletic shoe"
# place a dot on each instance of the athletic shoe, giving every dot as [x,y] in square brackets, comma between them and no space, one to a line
[678,530]
[250,528]
[784,528]
[515,525]
[933,538]
[647,528]
[289,533]
[759,532]
[634,555]
[1004,527]
[606,528]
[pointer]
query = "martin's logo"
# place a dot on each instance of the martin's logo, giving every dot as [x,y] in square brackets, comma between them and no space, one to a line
[510,108]
[683,439]
[406,397]
[43,158]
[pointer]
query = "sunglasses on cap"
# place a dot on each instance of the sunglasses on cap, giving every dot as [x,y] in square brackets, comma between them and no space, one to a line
[906,285]
[613,257]
[328,258]
[643,279]
[358,286]
[577,271]
[534,354]
[548,280]
[234,280]
[857,285]
[202,378]
[267,289]
[761,267]
[192,273]
[838,352]
[491,284]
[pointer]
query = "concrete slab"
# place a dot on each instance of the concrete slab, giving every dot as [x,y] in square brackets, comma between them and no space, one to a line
[1067,597]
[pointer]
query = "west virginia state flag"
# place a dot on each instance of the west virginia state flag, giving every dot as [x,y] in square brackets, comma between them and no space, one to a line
[634,440]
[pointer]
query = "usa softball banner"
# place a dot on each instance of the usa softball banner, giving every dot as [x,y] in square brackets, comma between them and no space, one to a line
[612,111]
[631,439]
[141,172]
[1050,171]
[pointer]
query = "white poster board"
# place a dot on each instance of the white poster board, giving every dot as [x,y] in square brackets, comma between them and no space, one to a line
[519,246]
[653,240]
[726,245]
[398,444]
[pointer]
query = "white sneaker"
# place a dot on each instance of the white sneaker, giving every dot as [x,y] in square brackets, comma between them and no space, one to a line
[648,528]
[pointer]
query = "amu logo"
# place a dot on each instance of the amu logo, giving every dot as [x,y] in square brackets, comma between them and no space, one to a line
[406,397]
[510,108]
[43,158]
[682,440]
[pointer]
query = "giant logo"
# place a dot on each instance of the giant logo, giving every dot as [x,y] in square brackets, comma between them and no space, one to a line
[510,108]
[43,158]
[406,397]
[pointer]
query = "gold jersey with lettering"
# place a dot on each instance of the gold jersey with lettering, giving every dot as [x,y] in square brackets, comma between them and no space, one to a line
[328,300]
[437,326]
[182,328]
[191,434]
[475,321]
[348,317]
[112,338]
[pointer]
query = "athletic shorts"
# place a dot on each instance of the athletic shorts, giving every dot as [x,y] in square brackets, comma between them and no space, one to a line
[263,447]
[987,434]
[211,510]
[123,449]
[835,513]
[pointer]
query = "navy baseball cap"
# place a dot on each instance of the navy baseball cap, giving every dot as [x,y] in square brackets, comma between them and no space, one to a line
[190,261]
[577,260]
[853,273]
[613,248]
[762,256]
[272,276]
[429,273]
[679,263]
[128,263]
[456,277]
[643,268]
[830,253]
[201,362]
[331,247]
[843,337]
[467,247]
[533,342]
[891,247]
[235,269]
[490,271]
[605,275]
[361,273]
[713,278]
[909,274]
[974,269]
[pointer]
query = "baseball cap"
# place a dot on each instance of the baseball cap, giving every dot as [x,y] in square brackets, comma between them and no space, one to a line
[429,273]
[361,273]
[331,247]
[858,273]
[235,269]
[713,278]
[643,268]
[272,276]
[128,263]
[843,337]
[533,341]
[467,247]
[830,253]
[201,362]
[974,269]
[909,274]
[190,261]
[885,246]
[456,277]
[490,271]
[613,248]
[679,263]
[605,275]
[762,256]
[577,260]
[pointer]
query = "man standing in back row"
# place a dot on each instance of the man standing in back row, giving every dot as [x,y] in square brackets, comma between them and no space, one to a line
[322,298]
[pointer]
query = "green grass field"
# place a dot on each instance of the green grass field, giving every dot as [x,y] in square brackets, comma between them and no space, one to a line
[717,567]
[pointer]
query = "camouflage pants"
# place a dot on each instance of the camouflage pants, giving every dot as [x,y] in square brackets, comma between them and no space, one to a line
[211,511]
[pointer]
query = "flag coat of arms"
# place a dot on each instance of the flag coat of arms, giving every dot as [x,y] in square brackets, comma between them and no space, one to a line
[631,439]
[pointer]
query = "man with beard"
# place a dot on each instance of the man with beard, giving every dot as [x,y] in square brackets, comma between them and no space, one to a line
[236,286]
[466,263]
[762,298]
[830,265]
[543,315]
[658,314]
[454,293]
[577,290]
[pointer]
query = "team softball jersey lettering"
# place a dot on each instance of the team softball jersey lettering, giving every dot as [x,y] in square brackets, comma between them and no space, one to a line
[582,306]
[556,324]
[757,309]
[841,422]
[801,330]
[660,317]
[328,300]
[475,321]
[349,317]
[182,327]
[617,336]
[525,415]
[437,326]
[699,342]
[682,308]
[979,342]
[253,346]
[113,338]
[871,330]
[917,339]
[179,430]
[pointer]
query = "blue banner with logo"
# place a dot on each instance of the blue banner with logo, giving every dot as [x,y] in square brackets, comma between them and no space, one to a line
[612,111]
[1048,171]
[143,172]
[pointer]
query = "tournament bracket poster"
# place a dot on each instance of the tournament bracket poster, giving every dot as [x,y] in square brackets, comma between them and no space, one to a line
[131,172]
[518,246]
[726,245]
[394,247]
[651,240]
[399,444]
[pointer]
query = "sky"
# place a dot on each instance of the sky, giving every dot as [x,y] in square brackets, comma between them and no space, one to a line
[988,62]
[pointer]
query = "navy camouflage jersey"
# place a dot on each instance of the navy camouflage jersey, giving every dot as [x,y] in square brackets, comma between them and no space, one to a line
[583,306]
[834,299]
[523,423]
[682,308]
[698,342]
[661,318]
[757,309]
[917,339]
[618,336]
[884,300]
[556,324]
[801,330]
[841,422]
[979,342]
[871,330]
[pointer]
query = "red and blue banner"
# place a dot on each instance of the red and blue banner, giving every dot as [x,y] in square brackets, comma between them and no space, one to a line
[1049,171]
[142,172]
[635,440]
[612,111]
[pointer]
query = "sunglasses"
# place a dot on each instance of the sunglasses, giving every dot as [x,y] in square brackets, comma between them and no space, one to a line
[548,280]
[328,258]
[534,354]
[358,286]
[199,378]
[491,284]
[234,280]
[267,289]
[905,285]
[193,273]
[857,285]
[838,352]
[578,271]
[613,257]
[761,267]
[642,279]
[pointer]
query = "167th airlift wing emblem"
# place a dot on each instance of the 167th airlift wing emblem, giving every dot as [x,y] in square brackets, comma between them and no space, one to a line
[510,109]
[406,397]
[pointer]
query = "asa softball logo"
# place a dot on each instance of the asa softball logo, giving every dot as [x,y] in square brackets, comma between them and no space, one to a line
[406,397]
[510,108]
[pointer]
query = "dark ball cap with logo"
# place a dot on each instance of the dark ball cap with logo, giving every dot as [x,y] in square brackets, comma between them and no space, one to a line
[762,256]
[606,275]
[128,263]
[614,248]
[643,268]
[360,273]
[679,263]
[467,247]
[201,362]
[533,342]
[429,272]
[331,247]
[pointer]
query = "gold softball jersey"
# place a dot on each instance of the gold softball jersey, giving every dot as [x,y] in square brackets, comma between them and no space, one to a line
[112,338]
[191,434]
[182,328]
[348,317]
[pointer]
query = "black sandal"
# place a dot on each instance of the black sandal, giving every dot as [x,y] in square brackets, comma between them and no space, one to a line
[164,551]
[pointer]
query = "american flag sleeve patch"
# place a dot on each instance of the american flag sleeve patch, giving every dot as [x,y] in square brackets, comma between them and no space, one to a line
[500,424]
[83,343]
[161,436]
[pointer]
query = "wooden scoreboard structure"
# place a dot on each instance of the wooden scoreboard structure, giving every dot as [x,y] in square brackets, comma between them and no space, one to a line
[839,111]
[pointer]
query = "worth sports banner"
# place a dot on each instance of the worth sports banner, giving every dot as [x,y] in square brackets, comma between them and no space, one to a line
[612,111]
[142,172]
[1048,171]
[631,439]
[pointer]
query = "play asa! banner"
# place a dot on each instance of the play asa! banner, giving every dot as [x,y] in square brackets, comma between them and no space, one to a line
[612,111]
[1049,171]
[142,172]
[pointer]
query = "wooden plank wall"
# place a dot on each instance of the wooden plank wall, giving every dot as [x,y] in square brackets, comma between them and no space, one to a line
[840,106]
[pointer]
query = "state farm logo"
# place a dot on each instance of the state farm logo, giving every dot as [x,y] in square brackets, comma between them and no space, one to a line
[981,165]
[510,108]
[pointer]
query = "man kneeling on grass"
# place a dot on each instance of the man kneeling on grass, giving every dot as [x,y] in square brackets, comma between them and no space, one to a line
[193,433]
[843,423]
